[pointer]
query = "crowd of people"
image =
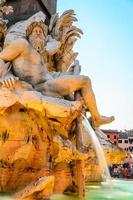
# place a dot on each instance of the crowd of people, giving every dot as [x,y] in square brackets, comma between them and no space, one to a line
[122,170]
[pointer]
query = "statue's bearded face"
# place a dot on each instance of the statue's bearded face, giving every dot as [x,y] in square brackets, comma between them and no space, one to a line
[37,39]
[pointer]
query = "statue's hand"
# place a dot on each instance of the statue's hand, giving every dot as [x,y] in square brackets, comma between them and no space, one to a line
[9,81]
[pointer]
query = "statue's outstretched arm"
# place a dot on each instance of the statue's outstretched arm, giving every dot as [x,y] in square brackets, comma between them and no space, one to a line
[14,49]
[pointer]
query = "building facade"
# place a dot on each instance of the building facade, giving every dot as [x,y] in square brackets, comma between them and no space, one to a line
[123,139]
[112,135]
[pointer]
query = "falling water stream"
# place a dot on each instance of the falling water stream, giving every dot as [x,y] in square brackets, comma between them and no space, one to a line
[112,189]
[98,149]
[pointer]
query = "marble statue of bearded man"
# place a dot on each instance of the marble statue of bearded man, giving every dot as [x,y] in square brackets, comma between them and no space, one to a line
[28,66]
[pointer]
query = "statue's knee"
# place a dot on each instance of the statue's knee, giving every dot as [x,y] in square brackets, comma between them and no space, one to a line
[86,80]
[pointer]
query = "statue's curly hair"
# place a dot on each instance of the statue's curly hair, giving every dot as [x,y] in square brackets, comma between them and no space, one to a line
[40,24]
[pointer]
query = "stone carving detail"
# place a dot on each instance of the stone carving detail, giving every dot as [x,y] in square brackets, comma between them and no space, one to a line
[4,10]
[38,69]
[62,29]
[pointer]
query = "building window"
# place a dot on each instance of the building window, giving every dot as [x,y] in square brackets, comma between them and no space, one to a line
[131,149]
[108,136]
[126,141]
[114,136]
[130,140]
[119,141]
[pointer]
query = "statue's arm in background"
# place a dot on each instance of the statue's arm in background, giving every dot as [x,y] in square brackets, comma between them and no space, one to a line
[75,69]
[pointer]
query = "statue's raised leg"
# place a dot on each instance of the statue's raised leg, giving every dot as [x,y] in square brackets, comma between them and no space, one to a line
[67,84]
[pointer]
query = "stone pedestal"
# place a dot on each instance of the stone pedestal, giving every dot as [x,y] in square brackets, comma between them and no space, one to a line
[23,9]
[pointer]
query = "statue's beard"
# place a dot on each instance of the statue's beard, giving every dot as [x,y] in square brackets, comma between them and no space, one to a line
[38,42]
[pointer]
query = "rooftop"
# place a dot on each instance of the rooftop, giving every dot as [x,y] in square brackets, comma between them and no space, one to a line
[110,131]
[123,135]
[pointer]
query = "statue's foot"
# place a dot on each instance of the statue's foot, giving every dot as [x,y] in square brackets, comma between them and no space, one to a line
[101,121]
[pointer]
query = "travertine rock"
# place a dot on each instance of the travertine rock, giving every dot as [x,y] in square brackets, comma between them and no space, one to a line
[27,128]
[44,188]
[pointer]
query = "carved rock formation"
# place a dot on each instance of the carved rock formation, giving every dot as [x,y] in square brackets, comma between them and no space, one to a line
[32,144]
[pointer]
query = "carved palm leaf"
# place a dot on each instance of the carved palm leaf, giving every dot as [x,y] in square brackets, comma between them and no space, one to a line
[72,31]
[62,29]
[59,24]
[53,21]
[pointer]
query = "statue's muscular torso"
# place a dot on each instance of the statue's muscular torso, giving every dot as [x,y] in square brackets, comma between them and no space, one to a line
[27,66]
[26,61]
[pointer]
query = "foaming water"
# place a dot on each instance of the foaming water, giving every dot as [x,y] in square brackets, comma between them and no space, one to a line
[120,190]
[98,149]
